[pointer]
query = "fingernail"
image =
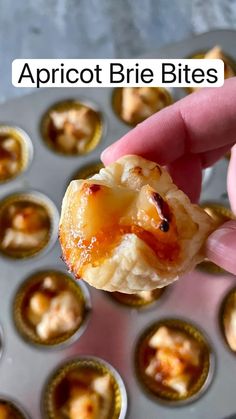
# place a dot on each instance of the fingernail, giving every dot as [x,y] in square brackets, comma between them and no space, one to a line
[217,236]
[104,153]
[221,247]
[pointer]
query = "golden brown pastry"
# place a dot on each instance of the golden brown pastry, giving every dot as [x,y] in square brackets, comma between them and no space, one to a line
[176,358]
[91,402]
[10,157]
[130,229]
[73,129]
[26,226]
[52,311]
[138,103]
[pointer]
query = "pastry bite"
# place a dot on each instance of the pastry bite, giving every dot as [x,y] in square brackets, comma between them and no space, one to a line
[15,152]
[134,104]
[85,389]
[130,229]
[26,225]
[72,128]
[139,299]
[228,319]
[173,360]
[50,308]
[220,215]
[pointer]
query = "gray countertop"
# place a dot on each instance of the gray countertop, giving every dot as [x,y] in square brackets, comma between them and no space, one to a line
[100,28]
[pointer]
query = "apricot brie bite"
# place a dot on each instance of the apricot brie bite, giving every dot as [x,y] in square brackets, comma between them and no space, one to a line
[173,360]
[229,320]
[49,308]
[25,226]
[130,229]
[14,152]
[71,128]
[175,356]
[83,390]
[134,104]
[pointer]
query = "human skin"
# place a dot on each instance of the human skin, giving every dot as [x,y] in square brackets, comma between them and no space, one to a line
[188,136]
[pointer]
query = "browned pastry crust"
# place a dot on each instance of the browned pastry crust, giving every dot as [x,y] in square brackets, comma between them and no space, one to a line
[130,229]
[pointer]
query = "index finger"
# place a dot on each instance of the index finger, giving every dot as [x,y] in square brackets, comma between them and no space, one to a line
[201,122]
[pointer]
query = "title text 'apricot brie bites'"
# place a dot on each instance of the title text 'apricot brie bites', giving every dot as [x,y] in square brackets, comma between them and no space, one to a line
[130,229]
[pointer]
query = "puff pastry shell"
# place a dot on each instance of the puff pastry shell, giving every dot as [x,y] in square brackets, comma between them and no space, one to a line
[130,229]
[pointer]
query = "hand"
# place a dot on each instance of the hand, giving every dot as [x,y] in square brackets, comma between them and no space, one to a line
[187,137]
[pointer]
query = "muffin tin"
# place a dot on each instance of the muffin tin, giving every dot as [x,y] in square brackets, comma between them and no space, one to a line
[174,358]
[15,152]
[160,98]
[113,330]
[28,224]
[44,294]
[80,373]
[63,135]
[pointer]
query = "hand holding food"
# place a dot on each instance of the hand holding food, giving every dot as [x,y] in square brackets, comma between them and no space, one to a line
[187,137]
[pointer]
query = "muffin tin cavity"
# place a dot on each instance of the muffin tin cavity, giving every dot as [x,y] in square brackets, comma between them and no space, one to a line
[51,309]
[15,152]
[10,410]
[72,128]
[85,385]
[173,361]
[134,104]
[28,223]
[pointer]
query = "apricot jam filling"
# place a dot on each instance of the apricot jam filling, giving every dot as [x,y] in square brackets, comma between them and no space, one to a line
[117,213]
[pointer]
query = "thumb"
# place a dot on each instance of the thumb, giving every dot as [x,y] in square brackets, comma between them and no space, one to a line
[221,247]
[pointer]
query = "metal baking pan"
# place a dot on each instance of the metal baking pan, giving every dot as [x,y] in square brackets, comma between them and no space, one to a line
[113,329]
